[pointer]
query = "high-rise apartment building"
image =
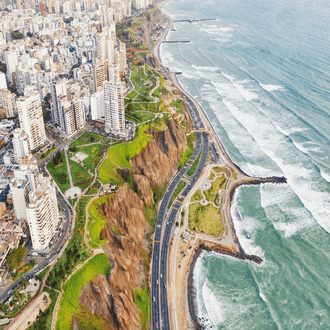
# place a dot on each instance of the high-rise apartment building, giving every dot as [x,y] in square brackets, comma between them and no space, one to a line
[97,105]
[21,146]
[114,109]
[42,214]
[3,82]
[100,74]
[8,103]
[72,115]
[30,117]
[34,199]
[11,62]
[58,89]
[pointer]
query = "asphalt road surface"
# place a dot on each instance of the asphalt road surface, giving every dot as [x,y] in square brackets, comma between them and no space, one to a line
[159,301]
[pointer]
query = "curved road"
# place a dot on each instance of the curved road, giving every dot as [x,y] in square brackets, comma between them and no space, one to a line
[159,301]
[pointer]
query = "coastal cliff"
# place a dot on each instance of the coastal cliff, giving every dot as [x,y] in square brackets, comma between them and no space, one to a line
[159,160]
[127,248]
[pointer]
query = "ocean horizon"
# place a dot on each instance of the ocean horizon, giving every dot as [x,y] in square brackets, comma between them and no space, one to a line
[261,72]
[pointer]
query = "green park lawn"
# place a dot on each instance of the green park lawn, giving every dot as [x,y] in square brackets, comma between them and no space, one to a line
[92,151]
[78,173]
[60,173]
[86,139]
[205,219]
[48,152]
[119,156]
[97,219]
[132,94]
[218,183]
[69,303]
[197,196]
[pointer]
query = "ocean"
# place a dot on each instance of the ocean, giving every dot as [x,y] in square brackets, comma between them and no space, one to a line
[261,71]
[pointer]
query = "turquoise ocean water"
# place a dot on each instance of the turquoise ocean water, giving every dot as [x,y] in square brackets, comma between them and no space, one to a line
[261,71]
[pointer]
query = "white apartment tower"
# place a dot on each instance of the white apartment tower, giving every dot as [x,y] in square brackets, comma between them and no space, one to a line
[8,103]
[114,109]
[35,200]
[97,105]
[21,146]
[42,214]
[30,117]
[58,89]
[11,62]
[72,115]
[3,82]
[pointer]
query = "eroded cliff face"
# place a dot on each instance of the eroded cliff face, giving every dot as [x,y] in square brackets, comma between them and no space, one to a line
[144,189]
[112,298]
[97,297]
[158,161]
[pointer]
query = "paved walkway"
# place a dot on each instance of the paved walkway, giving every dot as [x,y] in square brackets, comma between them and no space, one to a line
[68,167]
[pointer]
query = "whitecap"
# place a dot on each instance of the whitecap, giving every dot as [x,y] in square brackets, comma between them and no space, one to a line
[271,88]
[325,176]
[262,296]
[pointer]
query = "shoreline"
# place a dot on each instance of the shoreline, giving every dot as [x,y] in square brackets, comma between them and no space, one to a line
[245,180]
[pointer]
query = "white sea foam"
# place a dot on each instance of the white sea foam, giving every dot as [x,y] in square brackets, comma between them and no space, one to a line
[300,173]
[271,88]
[325,176]
[214,308]
[205,68]
[244,227]
[262,296]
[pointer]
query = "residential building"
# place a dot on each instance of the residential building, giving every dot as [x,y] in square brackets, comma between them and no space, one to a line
[21,145]
[114,109]
[3,82]
[100,74]
[42,214]
[11,62]
[58,89]
[8,103]
[30,117]
[97,105]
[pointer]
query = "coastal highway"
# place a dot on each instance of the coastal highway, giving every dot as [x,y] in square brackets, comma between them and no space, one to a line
[165,319]
[160,317]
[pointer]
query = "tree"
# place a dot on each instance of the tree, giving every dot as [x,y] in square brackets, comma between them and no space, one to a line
[16,256]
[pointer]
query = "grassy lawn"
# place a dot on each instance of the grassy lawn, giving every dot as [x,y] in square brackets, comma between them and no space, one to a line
[132,94]
[98,218]
[218,183]
[93,245]
[48,152]
[70,299]
[23,270]
[94,188]
[197,196]
[189,151]
[119,156]
[193,167]
[76,251]
[205,219]
[142,300]
[176,192]
[86,139]
[92,151]
[78,173]
[220,169]
[60,173]
[142,116]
